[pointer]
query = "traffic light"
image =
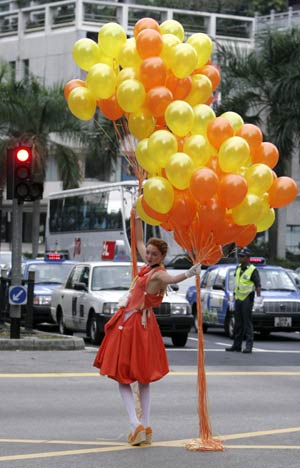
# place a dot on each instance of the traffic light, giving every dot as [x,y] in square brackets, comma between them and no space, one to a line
[21,180]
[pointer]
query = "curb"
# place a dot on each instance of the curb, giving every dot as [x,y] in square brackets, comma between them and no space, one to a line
[38,344]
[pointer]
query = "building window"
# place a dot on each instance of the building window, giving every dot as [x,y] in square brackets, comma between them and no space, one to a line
[12,66]
[25,64]
[293,239]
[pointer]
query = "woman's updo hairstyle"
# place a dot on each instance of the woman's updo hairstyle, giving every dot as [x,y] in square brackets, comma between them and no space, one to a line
[160,244]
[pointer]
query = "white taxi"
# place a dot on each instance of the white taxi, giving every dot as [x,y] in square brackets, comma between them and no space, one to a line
[90,296]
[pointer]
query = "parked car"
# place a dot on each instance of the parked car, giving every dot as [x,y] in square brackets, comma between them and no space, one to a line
[294,275]
[50,272]
[280,310]
[90,296]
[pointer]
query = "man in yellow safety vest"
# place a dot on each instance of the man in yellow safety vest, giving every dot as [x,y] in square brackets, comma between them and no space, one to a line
[247,282]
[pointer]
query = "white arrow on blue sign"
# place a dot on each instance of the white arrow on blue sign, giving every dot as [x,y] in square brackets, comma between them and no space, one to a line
[17,295]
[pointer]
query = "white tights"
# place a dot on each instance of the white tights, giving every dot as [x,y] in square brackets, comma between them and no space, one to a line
[128,399]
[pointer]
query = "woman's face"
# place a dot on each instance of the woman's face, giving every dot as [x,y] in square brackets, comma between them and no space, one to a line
[153,255]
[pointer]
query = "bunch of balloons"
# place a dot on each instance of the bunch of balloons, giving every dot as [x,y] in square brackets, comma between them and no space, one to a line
[209,178]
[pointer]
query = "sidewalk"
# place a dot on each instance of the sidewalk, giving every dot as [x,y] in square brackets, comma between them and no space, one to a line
[37,340]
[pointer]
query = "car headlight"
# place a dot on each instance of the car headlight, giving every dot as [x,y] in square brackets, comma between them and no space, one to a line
[109,308]
[179,309]
[42,300]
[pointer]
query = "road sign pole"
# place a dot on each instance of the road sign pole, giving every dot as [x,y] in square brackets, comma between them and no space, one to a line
[16,275]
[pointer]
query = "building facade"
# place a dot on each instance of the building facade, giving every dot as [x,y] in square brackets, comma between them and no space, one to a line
[38,39]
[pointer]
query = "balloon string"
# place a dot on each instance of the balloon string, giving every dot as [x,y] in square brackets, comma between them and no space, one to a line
[205,441]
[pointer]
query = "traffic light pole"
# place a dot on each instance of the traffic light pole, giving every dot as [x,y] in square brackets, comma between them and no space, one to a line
[16,274]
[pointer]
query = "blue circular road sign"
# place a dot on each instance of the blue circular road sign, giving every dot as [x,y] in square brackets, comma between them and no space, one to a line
[17,295]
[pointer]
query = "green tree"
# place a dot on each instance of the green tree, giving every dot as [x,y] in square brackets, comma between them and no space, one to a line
[34,115]
[263,86]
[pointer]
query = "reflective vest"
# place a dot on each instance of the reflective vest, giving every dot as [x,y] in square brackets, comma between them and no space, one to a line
[243,285]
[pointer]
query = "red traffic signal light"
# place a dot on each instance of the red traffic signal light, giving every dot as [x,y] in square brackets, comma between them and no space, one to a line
[22,181]
[23,154]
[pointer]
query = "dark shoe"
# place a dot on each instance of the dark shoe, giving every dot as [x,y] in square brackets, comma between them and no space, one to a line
[247,350]
[233,348]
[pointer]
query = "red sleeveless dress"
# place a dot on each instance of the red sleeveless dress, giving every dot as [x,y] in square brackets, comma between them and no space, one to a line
[132,349]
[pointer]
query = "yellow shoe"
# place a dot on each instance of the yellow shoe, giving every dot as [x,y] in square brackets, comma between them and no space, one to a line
[148,432]
[138,437]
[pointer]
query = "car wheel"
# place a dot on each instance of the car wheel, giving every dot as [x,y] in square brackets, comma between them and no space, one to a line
[63,330]
[180,339]
[94,332]
[229,325]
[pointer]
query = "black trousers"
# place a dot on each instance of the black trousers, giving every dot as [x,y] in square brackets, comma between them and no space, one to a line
[243,323]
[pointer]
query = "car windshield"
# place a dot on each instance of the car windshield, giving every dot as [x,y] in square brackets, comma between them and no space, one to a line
[5,258]
[271,280]
[111,277]
[276,280]
[50,272]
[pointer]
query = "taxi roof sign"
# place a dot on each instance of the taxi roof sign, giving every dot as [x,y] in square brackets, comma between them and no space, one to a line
[54,257]
[258,260]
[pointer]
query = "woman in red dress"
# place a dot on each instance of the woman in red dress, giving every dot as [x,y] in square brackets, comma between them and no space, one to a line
[132,349]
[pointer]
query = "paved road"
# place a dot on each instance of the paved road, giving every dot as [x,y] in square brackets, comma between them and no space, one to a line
[56,411]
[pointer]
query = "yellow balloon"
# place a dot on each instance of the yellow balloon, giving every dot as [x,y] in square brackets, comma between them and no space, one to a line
[172,27]
[203,114]
[184,60]
[259,178]
[179,169]
[142,157]
[131,95]
[111,38]
[201,90]
[86,53]
[169,42]
[101,81]
[82,103]
[266,222]
[141,124]
[234,118]
[128,73]
[161,145]
[233,154]
[179,117]
[128,56]
[159,194]
[203,46]
[265,207]
[141,212]
[198,148]
[248,211]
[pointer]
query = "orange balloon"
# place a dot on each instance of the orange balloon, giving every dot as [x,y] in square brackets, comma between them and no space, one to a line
[145,23]
[226,232]
[153,72]
[218,130]
[183,209]
[182,237]
[212,74]
[282,192]
[71,85]
[180,87]
[252,134]
[152,213]
[213,255]
[160,123]
[158,99]
[213,164]
[246,234]
[211,214]
[149,43]
[203,184]
[266,153]
[232,189]
[110,108]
